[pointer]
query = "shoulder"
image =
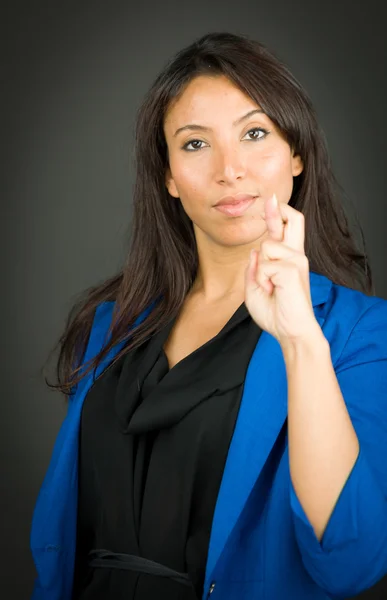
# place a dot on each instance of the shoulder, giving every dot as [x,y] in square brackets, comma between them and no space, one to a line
[101,322]
[103,317]
[344,302]
[352,320]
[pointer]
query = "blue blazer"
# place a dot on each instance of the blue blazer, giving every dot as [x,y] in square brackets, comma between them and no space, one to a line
[262,545]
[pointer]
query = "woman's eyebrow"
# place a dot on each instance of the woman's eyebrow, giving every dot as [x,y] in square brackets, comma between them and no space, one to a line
[202,128]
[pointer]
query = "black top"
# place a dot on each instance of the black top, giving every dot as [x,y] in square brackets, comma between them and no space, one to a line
[152,449]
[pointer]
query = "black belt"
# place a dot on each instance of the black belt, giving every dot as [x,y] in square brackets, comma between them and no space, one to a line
[130,562]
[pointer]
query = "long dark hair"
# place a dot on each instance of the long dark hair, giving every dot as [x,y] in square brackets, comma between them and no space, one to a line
[162,260]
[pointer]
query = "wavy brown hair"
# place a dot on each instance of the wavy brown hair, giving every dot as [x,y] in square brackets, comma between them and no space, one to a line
[162,260]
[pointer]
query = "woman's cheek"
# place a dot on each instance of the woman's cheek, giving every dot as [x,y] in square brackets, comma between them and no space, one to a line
[273,169]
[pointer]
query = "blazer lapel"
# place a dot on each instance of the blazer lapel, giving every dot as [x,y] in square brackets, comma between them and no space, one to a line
[261,416]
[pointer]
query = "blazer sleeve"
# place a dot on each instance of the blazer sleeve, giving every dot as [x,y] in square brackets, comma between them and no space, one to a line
[352,554]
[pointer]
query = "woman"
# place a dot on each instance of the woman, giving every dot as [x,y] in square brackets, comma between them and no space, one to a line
[226,428]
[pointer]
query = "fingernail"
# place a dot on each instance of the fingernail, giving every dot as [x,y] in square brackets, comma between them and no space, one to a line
[275,201]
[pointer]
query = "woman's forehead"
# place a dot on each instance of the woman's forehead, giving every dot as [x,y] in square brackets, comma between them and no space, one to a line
[207,97]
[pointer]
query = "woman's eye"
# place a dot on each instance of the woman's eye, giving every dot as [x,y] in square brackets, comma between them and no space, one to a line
[262,130]
[185,147]
[252,139]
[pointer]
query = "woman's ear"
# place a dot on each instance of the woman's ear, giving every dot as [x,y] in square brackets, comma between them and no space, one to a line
[170,184]
[297,165]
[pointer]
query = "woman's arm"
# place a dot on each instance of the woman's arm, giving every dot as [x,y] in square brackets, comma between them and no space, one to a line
[323,445]
[338,456]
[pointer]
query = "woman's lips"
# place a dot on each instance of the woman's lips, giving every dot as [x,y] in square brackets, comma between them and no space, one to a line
[237,209]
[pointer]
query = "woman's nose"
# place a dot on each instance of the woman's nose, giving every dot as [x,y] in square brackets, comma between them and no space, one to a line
[230,166]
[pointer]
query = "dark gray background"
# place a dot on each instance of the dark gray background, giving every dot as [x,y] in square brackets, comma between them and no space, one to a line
[73,75]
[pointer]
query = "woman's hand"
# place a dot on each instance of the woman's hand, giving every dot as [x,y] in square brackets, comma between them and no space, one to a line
[277,288]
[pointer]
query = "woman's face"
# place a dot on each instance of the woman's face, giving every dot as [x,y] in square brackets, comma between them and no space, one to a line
[232,154]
